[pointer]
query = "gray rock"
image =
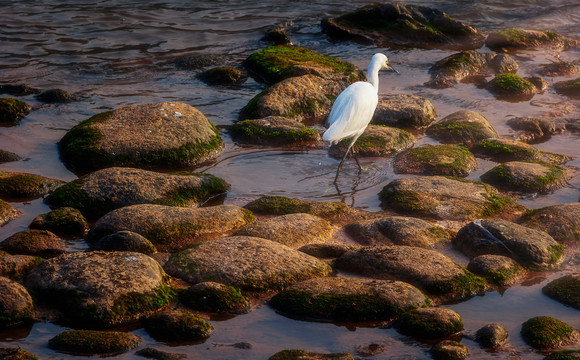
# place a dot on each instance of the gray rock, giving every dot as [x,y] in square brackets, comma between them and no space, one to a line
[84,342]
[280,205]
[546,332]
[125,241]
[467,127]
[404,110]
[531,248]
[430,323]
[512,87]
[562,221]
[245,262]
[492,335]
[15,303]
[533,177]
[18,89]
[497,269]
[446,160]
[152,353]
[23,185]
[16,354]
[376,141]
[53,96]
[560,68]
[502,150]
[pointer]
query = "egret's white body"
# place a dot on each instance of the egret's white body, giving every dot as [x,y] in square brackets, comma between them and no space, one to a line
[354,107]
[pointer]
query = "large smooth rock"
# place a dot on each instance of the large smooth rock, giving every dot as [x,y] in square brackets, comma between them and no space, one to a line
[562,221]
[12,111]
[28,186]
[531,248]
[446,160]
[102,288]
[162,135]
[546,332]
[349,299]
[94,342]
[497,269]
[398,230]
[172,227]
[464,126]
[246,262]
[565,289]
[7,212]
[105,190]
[398,24]
[515,39]
[15,303]
[275,131]
[430,323]
[376,140]
[429,270]
[442,198]
[293,230]
[41,243]
[533,177]
[405,111]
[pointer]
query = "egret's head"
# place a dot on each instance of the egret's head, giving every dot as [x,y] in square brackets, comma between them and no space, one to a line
[383,61]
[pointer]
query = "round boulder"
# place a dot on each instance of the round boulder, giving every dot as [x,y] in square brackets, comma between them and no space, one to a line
[565,289]
[62,221]
[41,243]
[275,131]
[12,111]
[531,128]
[546,332]
[7,212]
[223,76]
[429,323]
[533,177]
[492,335]
[245,262]
[497,269]
[460,66]
[88,342]
[102,288]
[569,88]
[215,297]
[293,230]
[404,110]
[449,350]
[377,140]
[125,241]
[510,86]
[562,221]
[515,38]
[108,189]
[53,96]
[349,299]
[564,355]
[15,303]
[162,135]
[28,186]
[467,127]
[280,205]
[7,156]
[502,150]
[446,160]
[177,325]
[560,68]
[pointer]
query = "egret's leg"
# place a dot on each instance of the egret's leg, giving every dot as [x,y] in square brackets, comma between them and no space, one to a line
[355,158]
[345,155]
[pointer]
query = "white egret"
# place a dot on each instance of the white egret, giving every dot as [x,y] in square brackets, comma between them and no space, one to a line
[354,108]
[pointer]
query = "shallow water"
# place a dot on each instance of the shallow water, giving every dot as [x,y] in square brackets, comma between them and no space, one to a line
[117,54]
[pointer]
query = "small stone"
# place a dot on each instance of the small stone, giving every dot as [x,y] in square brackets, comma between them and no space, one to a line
[565,289]
[7,156]
[512,87]
[16,354]
[569,88]
[12,111]
[18,89]
[546,332]
[276,35]
[532,128]
[215,297]
[152,353]
[404,110]
[15,303]
[307,355]
[447,160]
[498,269]
[94,342]
[467,127]
[532,177]
[125,241]
[562,221]
[370,349]
[23,185]
[275,131]
[56,96]
[41,243]
[429,323]
[177,325]
[449,350]
[200,61]
[503,63]
[560,68]
[61,221]
[223,76]
[492,335]
[376,140]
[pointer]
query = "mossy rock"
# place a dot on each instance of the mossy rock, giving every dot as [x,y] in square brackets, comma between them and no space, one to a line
[376,140]
[16,354]
[546,332]
[404,111]
[443,198]
[466,127]
[125,241]
[215,297]
[162,135]
[298,354]
[62,221]
[94,342]
[502,150]
[532,128]
[397,24]
[275,131]
[533,177]
[56,96]
[279,62]
[223,75]
[177,325]
[491,335]
[7,156]
[41,243]
[562,221]
[152,353]
[280,205]
[565,289]
[512,87]
[7,212]
[16,267]
[560,68]
[497,269]
[449,350]
[564,355]
[448,160]
[569,88]
[16,304]
[349,299]
[515,38]
[12,111]
[429,323]
[18,185]
[276,35]
[245,262]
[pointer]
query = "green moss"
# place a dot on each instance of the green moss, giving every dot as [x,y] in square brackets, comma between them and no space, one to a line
[502,174]
[280,205]
[223,299]
[515,34]
[511,84]
[12,110]
[249,130]
[497,149]
[564,355]
[462,285]
[72,195]
[414,324]
[457,130]
[133,303]
[544,332]
[211,186]
[569,87]
[436,158]
[93,342]
[495,204]
[23,185]
[460,62]
[565,290]
[250,111]
[503,276]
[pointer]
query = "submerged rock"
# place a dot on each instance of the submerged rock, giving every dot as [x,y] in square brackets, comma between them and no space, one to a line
[177,325]
[448,160]
[429,323]
[562,221]
[102,288]
[397,230]
[215,297]
[515,38]
[245,262]
[56,96]
[94,342]
[41,243]
[449,350]
[12,111]
[223,76]
[565,289]
[196,62]
[125,241]
[546,332]
[162,135]
[61,221]
[18,89]
[442,198]
[280,205]
[429,270]
[349,299]
[152,353]
[529,247]
[293,230]
[297,354]
[277,36]
[537,176]
[7,156]
[467,127]
[569,88]
[405,111]
[560,68]
[275,131]
[532,128]
[491,335]
[108,189]
[172,227]
[23,185]
[7,213]
[512,87]
[15,303]
[497,269]
[376,140]
[388,24]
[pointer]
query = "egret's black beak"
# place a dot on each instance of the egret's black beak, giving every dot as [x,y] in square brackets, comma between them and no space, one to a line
[391,68]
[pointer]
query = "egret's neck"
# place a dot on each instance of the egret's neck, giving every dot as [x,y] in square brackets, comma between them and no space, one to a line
[373,74]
